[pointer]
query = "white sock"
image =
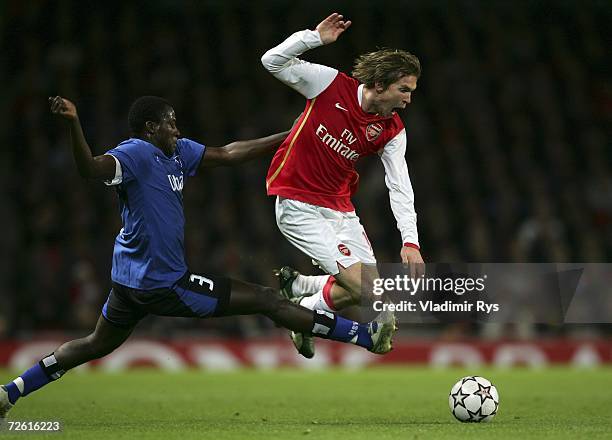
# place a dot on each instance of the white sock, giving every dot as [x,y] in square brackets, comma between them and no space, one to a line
[305,285]
[316,302]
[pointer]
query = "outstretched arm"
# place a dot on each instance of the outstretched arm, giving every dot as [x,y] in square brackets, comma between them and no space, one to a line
[309,79]
[401,197]
[98,167]
[241,151]
[331,28]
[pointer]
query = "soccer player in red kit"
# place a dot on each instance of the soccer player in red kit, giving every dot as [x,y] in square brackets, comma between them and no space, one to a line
[313,172]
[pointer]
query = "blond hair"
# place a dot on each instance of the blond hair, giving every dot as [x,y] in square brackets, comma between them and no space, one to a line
[385,66]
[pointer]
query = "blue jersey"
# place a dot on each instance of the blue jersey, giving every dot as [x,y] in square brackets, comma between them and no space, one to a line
[149,250]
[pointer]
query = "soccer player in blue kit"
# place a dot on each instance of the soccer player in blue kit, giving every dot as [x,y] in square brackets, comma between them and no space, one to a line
[149,274]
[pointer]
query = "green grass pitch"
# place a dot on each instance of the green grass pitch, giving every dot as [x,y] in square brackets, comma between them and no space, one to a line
[385,403]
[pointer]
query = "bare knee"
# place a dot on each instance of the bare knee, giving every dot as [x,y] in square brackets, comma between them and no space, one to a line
[349,287]
[354,293]
[356,287]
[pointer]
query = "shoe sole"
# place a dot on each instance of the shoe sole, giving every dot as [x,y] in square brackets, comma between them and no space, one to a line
[304,344]
[282,281]
[385,344]
[5,406]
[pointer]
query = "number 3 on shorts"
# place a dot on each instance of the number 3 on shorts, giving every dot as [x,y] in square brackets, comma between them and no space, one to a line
[201,280]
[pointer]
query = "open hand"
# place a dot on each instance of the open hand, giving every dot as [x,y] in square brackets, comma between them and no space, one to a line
[63,107]
[412,257]
[331,28]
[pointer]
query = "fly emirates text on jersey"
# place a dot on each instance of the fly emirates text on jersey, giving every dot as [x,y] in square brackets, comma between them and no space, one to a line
[339,145]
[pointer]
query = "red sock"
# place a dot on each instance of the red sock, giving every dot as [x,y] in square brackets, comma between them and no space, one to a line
[327,292]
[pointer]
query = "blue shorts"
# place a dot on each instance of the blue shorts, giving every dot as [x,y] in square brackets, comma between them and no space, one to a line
[194,296]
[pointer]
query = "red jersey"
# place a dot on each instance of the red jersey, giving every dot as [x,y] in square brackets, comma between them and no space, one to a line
[316,163]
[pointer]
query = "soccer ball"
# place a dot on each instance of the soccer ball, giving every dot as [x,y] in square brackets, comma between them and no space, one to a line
[473,399]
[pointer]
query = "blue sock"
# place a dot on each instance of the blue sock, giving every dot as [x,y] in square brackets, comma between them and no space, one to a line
[331,326]
[13,391]
[36,377]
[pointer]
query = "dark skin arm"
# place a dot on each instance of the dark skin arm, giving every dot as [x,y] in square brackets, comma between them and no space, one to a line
[242,151]
[89,166]
[103,167]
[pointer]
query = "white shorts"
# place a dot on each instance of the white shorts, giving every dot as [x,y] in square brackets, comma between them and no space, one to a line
[327,236]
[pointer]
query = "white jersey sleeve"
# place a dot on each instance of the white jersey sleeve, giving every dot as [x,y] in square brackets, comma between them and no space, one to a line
[118,178]
[398,182]
[307,78]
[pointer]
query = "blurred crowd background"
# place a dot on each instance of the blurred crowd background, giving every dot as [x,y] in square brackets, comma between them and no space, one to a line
[508,138]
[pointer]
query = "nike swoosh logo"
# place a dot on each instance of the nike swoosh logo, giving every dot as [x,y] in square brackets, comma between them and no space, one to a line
[340,107]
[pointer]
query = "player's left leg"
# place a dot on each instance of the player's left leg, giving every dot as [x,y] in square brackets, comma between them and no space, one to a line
[334,241]
[246,298]
[350,258]
[204,296]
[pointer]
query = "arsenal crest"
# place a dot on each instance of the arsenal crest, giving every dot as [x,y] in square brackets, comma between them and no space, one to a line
[373,131]
[344,250]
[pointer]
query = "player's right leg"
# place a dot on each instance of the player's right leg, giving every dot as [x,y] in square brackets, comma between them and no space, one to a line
[293,284]
[104,339]
[114,326]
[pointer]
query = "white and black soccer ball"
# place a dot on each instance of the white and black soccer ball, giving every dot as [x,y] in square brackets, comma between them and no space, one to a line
[474,399]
